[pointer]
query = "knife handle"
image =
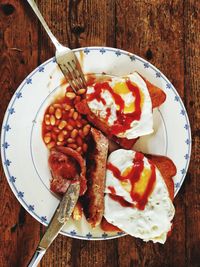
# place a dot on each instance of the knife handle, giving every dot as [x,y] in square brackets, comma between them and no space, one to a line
[39,253]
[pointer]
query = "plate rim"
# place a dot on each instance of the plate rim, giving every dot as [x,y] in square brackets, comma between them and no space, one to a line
[101,49]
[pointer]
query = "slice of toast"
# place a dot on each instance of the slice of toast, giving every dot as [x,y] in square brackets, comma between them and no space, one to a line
[157,98]
[167,168]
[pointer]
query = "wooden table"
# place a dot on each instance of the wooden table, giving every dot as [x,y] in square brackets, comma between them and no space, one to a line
[166,33]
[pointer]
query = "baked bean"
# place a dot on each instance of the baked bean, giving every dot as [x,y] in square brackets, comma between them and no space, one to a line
[58,113]
[70,95]
[74,133]
[86,129]
[79,149]
[51,110]
[70,140]
[61,137]
[69,127]
[75,115]
[81,91]
[52,120]
[66,107]
[78,124]
[47,138]
[71,112]
[60,143]
[64,132]
[47,119]
[62,124]
[51,145]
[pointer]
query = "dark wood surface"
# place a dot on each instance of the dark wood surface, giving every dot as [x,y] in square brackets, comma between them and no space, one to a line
[165,32]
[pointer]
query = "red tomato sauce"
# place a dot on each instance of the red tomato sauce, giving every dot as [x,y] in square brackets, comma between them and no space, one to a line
[133,176]
[123,121]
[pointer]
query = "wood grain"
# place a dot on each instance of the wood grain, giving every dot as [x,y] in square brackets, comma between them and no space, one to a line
[18,58]
[166,33]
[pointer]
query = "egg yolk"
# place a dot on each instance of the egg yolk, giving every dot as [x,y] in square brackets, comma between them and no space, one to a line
[139,186]
[121,88]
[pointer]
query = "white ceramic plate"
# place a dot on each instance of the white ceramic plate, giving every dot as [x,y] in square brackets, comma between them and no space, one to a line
[24,154]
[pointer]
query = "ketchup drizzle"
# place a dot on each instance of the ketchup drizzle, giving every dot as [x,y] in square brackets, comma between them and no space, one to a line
[123,121]
[133,176]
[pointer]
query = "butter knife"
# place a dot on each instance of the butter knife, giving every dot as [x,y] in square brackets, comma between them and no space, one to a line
[60,217]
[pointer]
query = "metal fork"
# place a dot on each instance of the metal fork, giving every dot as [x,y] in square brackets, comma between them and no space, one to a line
[65,57]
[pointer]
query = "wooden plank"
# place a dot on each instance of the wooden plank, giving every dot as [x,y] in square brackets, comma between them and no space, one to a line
[192,101]
[164,32]
[18,56]
[154,30]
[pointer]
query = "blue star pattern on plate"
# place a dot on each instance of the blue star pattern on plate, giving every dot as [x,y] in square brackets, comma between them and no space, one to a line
[118,53]
[73,233]
[187,141]
[7,127]
[11,111]
[132,58]
[102,51]
[31,207]
[86,51]
[41,69]
[29,81]
[158,74]
[104,235]
[183,171]
[89,235]
[7,162]
[176,98]
[12,179]
[120,233]
[54,60]
[20,194]
[177,185]
[146,65]
[186,156]
[183,112]
[43,218]
[18,94]
[186,126]
[5,145]
[168,85]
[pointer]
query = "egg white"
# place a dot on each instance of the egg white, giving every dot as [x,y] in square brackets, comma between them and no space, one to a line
[154,222]
[138,128]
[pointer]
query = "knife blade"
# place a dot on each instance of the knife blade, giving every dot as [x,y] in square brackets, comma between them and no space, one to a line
[60,217]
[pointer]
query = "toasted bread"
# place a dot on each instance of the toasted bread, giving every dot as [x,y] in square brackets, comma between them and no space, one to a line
[167,169]
[157,97]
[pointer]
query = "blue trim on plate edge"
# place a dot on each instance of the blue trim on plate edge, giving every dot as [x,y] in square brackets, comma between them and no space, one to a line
[18,95]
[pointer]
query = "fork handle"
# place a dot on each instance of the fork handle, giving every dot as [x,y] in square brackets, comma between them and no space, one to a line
[39,253]
[58,46]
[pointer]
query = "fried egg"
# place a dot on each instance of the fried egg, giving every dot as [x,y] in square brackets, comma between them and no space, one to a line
[125,106]
[153,220]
